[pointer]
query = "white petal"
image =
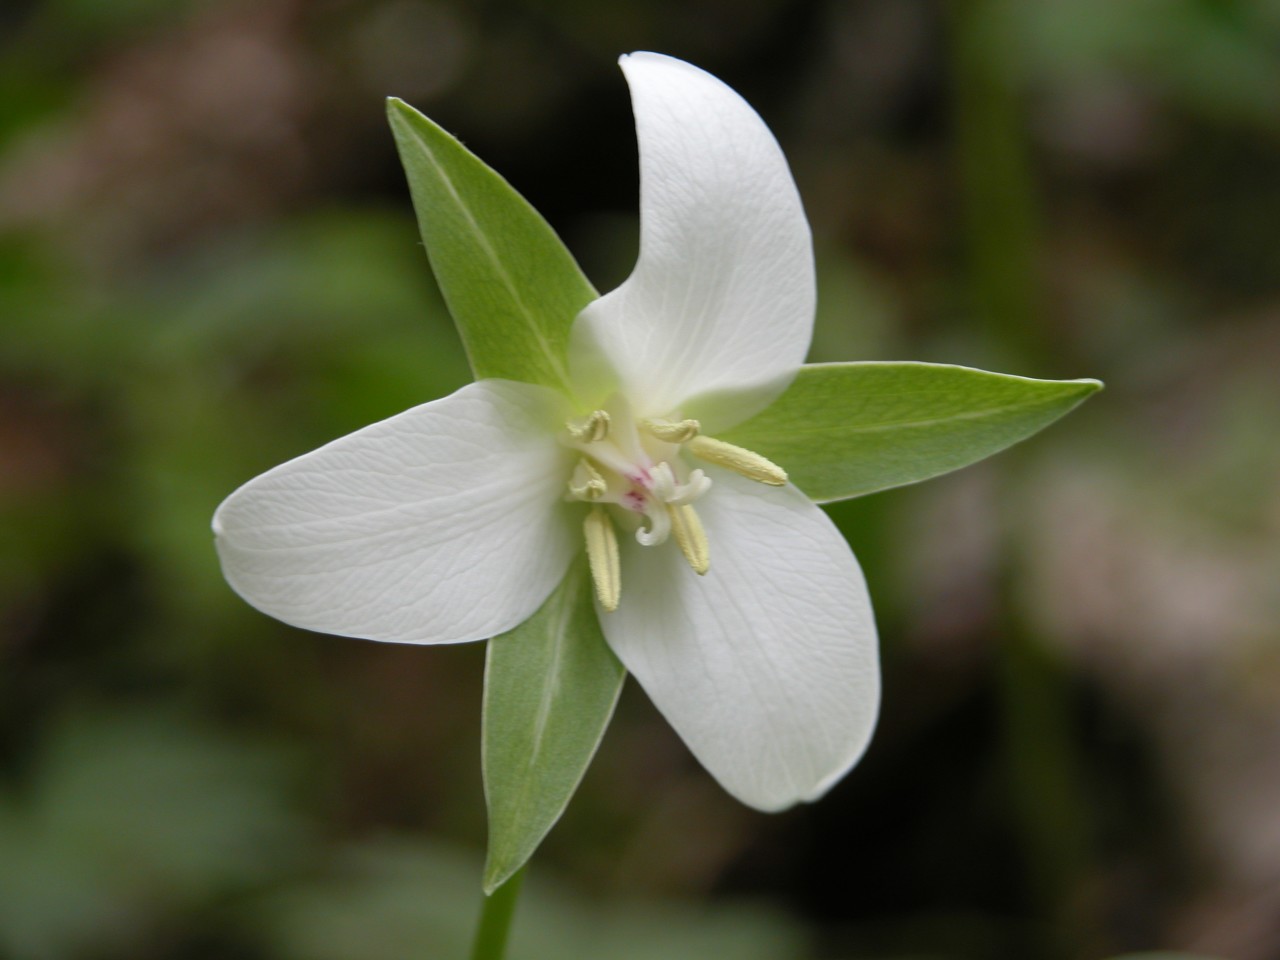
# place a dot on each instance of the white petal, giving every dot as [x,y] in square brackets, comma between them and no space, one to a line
[722,297]
[439,525]
[767,665]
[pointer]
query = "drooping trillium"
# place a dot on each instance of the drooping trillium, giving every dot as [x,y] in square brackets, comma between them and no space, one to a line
[730,596]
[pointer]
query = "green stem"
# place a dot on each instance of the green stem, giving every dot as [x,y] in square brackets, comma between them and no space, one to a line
[495,920]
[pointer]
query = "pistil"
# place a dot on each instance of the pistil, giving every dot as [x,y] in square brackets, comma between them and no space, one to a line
[636,467]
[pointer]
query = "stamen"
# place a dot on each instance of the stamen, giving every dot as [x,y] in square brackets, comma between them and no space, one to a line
[590,429]
[691,537]
[673,431]
[587,483]
[602,556]
[738,459]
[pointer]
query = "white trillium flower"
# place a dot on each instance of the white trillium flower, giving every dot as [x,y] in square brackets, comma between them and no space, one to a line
[731,597]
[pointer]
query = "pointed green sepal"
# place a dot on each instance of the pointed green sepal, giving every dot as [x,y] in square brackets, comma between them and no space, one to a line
[511,285]
[846,429]
[550,686]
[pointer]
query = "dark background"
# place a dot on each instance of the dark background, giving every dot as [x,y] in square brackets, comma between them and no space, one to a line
[208,264]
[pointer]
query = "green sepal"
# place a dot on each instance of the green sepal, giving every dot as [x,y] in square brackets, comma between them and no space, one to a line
[846,429]
[550,686]
[509,282]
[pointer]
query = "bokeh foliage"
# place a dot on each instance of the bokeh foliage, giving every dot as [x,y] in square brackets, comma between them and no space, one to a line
[208,264]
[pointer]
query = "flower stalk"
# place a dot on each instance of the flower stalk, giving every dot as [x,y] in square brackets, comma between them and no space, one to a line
[494,928]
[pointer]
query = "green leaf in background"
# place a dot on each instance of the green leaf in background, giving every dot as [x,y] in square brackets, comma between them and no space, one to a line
[550,687]
[846,429]
[132,818]
[512,287]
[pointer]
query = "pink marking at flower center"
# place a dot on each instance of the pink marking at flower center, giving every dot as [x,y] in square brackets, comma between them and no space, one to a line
[638,496]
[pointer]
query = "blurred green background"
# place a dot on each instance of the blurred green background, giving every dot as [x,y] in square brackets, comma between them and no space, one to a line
[208,264]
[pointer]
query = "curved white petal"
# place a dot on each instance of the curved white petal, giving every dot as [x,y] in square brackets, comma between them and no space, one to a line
[722,297]
[442,524]
[766,666]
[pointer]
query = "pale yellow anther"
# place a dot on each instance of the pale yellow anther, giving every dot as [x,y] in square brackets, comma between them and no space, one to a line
[673,431]
[590,429]
[602,555]
[691,537]
[587,483]
[738,459]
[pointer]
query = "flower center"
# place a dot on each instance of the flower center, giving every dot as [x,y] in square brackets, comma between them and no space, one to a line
[634,473]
